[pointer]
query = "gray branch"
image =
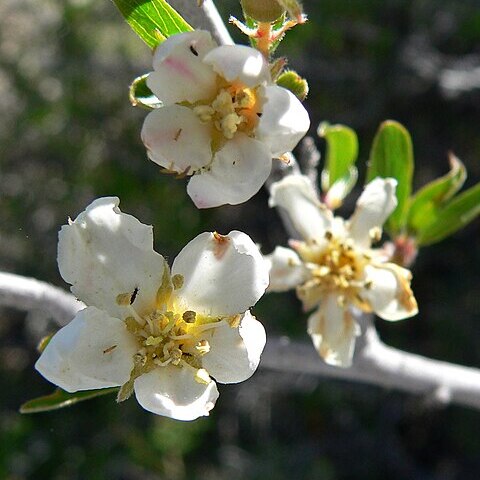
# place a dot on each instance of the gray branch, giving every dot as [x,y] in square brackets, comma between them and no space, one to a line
[374,362]
[205,17]
[28,294]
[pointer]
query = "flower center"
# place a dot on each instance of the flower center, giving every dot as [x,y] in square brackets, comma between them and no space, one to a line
[235,108]
[167,335]
[334,268]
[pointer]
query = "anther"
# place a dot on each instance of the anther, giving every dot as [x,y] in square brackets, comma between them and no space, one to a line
[189,316]
[202,376]
[202,347]
[123,299]
[177,281]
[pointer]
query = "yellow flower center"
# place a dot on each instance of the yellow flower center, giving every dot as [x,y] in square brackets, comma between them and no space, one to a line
[235,108]
[334,268]
[169,334]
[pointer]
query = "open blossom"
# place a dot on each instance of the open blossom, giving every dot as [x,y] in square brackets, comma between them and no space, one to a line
[335,268]
[222,118]
[149,330]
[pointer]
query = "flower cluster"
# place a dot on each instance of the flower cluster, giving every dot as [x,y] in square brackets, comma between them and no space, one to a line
[335,267]
[165,334]
[222,118]
[149,330]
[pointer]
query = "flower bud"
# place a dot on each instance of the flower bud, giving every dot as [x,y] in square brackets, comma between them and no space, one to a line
[262,10]
[292,81]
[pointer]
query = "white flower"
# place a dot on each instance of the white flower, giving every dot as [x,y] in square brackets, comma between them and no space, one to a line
[335,268]
[150,330]
[222,118]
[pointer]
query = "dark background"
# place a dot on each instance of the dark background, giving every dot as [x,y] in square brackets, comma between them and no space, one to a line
[68,135]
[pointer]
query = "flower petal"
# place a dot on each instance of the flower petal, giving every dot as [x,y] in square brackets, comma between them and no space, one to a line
[389,292]
[296,195]
[223,275]
[333,330]
[235,352]
[286,270]
[104,253]
[176,139]
[238,62]
[173,392]
[92,351]
[284,120]
[238,171]
[374,206]
[180,74]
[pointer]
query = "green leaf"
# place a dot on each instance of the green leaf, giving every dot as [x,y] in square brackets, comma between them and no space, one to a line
[455,215]
[152,20]
[60,399]
[428,200]
[392,156]
[340,173]
[141,96]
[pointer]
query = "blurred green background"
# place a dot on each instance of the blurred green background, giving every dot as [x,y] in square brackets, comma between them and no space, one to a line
[68,135]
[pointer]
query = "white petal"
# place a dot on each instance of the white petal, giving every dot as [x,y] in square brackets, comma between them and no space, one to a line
[374,206]
[173,392]
[389,295]
[180,74]
[238,62]
[92,351]
[104,253]
[235,352]
[238,171]
[296,195]
[333,330]
[286,270]
[284,120]
[176,139]
[223,275]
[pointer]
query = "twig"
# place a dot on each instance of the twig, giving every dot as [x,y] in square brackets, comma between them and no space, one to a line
[205,17]
[374,362]
[29,294]
[377,364]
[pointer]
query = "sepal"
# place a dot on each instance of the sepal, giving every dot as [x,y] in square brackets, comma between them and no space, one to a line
[141,96]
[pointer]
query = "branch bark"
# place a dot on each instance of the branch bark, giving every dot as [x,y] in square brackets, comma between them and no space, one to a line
[205,17]
[374,362]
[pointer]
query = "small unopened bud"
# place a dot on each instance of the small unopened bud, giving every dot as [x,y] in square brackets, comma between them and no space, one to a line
[265,11]
[294,82]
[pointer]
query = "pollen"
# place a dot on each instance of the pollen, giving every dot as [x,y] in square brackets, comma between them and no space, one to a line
[169,334]
[235,108]
[335,268]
